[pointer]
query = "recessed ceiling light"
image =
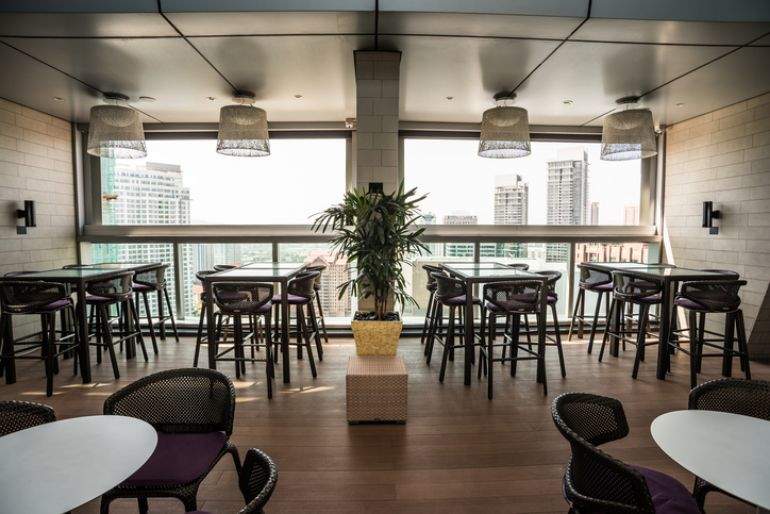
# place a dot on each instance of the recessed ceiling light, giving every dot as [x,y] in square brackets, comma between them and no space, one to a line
[450,98]
[210,98]
[680,104]
[298,96]
[58,98]
[567,101]
[146,99]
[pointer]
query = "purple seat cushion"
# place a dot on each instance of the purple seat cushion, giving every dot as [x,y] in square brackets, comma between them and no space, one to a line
[93,299]
[552,298]
[669,496]
[141,288]
[179,459]
[656,298]
[681,301]
[56,305]
[605,288]
[459,300]
[293,299]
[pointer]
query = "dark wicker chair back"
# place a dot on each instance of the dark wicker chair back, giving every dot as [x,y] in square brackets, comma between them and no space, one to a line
[320,269]
[447,287]
[519,266]
[736,396]
[154,278]
[732,274]
[224,267]
[257,481]
[517,296]
[17,415]
[19,297]
[118,288]
[594,481]
[241,297]
[591,278]
[204,273]
[304,284]
[430,270]
[714,295]
[179,400]
[553,278]
[628,288]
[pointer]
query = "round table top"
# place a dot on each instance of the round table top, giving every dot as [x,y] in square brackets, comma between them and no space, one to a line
[58,466]
[728,450]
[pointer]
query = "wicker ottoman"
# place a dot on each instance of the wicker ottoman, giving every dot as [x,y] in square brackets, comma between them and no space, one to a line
[376,389]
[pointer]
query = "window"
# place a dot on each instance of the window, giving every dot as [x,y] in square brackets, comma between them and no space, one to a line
[562,183]
[184,181]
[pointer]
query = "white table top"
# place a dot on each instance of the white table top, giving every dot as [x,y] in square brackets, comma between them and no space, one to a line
[728,450]
[58,466]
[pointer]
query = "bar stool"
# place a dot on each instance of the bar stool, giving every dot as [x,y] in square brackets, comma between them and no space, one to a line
[431,287]
[713,297]
[154,281]
[450,292]
[201,338]
[628,289]
[238,299]
[593,281]
[45,299]
[301,292]
[320,312]
[119,292]
[513,299]
[551,300]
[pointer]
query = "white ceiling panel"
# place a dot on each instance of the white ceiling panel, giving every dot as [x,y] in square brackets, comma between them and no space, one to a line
[471,70]
[245,23]
[84,25]
[489,25]
[320,68]
[741,75]
[572,8]
[594,75]
[676,32]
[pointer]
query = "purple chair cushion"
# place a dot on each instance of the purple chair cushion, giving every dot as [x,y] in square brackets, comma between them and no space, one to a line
[605,288]
[93,299]
[459,300]
[293,299]
[552,298]
[56,305]
[141,288]
[179,459]
[669,496]
[681,301]
[656,298]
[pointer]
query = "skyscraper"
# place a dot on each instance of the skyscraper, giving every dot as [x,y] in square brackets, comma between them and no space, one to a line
[630,215]
[594,213]
[567,194]
[459,249]
[511,208]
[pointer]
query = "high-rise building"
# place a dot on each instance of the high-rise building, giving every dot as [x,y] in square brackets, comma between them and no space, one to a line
[567,194]
[459,249]
[147,193]
[630,215]
[594,213]
[332,277]
[511,207]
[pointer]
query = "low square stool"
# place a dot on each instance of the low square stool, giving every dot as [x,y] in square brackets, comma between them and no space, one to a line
[376,389]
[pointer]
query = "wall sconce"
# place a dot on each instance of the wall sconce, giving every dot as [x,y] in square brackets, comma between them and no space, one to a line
[28,215]
[709,215]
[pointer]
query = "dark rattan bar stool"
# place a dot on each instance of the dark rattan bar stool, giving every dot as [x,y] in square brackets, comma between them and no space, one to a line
[430,285]
[201,338]
[238,299]
[192,410]
[551,300]
[591,281]
[320,311]
[146,283]
[745,397]
[594,481]
[115,292]
[713,297]
[45,299]
[512,299]
[450,293]
[301,293]
[628,289]
[18,415]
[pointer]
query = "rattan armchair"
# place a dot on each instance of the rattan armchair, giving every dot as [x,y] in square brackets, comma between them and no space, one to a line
[192,409]
[17,415]
[735,396]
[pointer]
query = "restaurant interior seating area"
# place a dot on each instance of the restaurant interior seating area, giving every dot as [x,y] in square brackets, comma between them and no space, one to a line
[382,256]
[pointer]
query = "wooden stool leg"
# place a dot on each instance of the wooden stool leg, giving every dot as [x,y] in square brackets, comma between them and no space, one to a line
[727,352]
[595,321]
[558,341]
[449,341]
[640,338]
[490,355]
[575,309]
[743,346]
[607,329]
[107,339]
[303,330]
[150,324]
[171,313]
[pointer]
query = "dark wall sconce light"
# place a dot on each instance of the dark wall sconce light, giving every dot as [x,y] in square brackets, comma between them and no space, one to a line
[709,215]
[28,215]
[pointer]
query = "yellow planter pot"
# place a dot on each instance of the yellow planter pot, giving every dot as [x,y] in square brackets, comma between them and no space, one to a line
[376,337]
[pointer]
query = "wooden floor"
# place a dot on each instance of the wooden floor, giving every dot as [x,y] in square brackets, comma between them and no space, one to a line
[458,453]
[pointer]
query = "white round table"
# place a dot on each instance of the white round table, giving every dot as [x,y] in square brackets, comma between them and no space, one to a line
[58,466]
[728,450]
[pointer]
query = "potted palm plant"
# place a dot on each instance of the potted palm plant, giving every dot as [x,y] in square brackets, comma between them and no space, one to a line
[375,231]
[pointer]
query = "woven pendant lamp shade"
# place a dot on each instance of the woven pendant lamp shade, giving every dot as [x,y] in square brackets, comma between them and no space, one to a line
[628,135]
[504,133]
[243,131]
[115,131]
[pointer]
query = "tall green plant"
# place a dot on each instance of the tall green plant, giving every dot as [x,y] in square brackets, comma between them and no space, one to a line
[375,231]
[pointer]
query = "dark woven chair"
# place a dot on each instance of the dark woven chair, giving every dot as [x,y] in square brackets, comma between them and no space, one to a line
[201,338]
[713,297]
[430,285]
[735,396]
[257,481]
[17,415]
[149,282]
[250,299]
[591,281]
[46,300]
[192,409]
[594,481]
[519,266]
[630,290]
[301,293]
[320,310]
[512,300]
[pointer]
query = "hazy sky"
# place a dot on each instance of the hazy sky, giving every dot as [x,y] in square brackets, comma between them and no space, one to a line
[302,177]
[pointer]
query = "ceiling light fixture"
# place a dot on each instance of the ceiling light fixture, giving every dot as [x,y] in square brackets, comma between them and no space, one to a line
[58,98]
[567,101]
[504,129]
[243,128]
[450,98]
[628,134]
[680,104]
[114,130]
[297,96]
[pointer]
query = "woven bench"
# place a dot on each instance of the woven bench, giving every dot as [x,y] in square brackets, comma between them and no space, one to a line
[376,389]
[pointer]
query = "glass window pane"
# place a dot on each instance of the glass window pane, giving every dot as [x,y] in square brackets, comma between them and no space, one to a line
[558,184]
[184,182]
